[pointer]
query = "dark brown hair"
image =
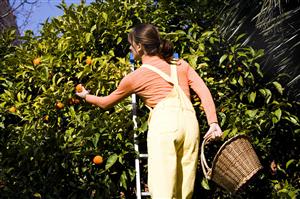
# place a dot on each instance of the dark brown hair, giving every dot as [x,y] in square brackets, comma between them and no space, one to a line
[148,36]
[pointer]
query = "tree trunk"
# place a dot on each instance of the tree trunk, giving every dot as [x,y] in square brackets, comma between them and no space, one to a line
[7,17]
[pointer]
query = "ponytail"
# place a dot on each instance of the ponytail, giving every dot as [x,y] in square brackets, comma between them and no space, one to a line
[166,50]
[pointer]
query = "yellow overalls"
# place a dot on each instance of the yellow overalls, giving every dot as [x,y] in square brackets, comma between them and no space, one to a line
[173,140]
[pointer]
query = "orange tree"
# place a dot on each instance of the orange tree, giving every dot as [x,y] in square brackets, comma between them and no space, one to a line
[49,137]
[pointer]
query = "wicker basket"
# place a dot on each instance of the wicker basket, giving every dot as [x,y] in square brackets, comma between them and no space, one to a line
[234,164]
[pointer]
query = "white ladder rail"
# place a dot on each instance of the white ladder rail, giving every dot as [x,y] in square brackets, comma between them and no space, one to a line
[139,192]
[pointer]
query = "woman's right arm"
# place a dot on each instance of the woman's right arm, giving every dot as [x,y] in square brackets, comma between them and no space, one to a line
[124,90]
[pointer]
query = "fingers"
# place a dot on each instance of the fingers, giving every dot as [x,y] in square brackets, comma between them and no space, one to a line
[81,91]
[218,131]
[213,132]
[209,133]
[82,94]
[209,136]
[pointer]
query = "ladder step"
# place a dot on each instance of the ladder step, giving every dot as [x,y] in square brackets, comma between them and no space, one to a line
[145,194]
[143,155]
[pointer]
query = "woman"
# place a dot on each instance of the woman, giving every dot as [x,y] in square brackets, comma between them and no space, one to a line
[173,133]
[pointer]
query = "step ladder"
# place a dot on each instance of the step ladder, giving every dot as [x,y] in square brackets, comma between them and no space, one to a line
[139,192]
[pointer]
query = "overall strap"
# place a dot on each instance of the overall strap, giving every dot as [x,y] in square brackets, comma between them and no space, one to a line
[174,73]
[159,72]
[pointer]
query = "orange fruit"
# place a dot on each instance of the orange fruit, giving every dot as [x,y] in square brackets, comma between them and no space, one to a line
[79,88]
[98,159]
[73,101]
[46,118]
[59,105]
[76,101]
[12,109]
[88,60]
[37,61]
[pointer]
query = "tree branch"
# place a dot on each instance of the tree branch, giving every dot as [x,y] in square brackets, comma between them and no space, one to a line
[17,7]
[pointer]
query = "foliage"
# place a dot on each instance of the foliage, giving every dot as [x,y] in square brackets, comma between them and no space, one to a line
[46,151]
[184,13]
[265,22]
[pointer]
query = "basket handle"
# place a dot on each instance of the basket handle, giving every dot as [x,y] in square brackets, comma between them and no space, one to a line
[205,168]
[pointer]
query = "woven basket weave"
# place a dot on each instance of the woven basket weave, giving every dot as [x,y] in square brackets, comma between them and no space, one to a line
[234,164]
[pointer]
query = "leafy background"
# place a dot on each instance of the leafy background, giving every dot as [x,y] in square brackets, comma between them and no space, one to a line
[47,151]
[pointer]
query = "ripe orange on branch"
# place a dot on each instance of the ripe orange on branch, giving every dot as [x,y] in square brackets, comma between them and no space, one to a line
[12,109]
[88,60]
[73,101]
[98,160]
[37,61]
[59,105]
[79,88]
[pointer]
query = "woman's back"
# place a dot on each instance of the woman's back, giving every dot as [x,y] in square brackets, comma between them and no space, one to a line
[152,87]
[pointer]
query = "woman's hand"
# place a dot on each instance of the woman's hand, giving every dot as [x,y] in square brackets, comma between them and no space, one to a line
[213,132]
[81,91]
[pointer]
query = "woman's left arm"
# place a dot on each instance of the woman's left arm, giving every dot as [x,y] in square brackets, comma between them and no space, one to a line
[198,85]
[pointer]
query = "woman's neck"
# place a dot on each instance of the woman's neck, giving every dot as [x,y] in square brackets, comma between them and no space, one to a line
[148,58]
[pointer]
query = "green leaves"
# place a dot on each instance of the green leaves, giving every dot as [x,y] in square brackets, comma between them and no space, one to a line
[278,87]
[111,161]
[96,139]
[277,113]
[205,184]
[104,15]
[293,119]
[251,113]
[222,59]
[251,97]
[266,93]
